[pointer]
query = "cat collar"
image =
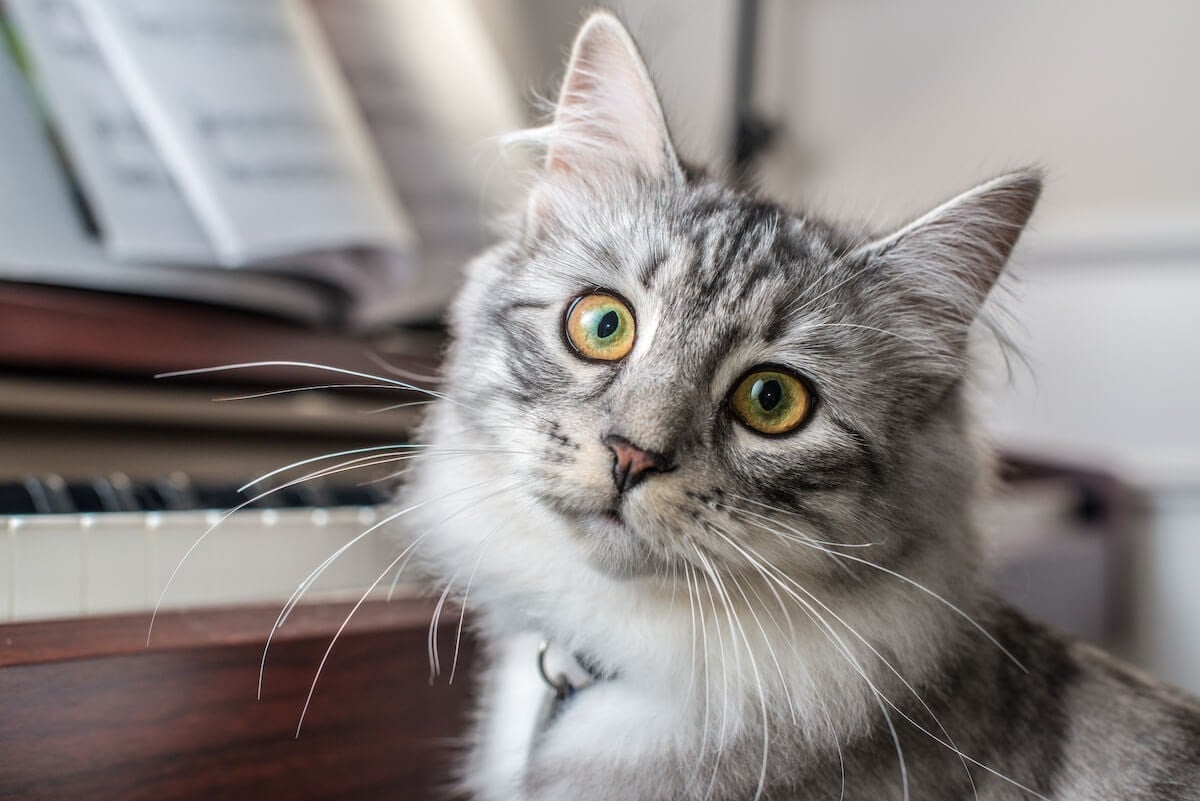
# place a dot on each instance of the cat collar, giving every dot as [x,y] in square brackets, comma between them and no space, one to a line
[565,686]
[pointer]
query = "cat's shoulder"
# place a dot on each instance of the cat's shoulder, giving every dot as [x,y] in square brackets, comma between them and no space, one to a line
[1120,729]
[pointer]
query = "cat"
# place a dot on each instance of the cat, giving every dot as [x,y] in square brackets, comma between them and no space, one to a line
[705,478]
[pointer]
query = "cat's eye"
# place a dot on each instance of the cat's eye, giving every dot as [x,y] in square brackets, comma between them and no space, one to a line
[771,400]
[600,326]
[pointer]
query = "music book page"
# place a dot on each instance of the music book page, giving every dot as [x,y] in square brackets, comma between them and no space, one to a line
[141,214]
[244,104]
[43,239]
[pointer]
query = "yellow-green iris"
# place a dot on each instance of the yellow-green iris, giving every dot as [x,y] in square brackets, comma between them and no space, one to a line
[600,327]
[771,401]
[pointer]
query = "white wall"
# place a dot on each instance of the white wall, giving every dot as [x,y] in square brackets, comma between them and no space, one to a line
[1114,378]
[887,105]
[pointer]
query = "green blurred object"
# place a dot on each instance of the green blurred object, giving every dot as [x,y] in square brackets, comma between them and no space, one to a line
[14,43]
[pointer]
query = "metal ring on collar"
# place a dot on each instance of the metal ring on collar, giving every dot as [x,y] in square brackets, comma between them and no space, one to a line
[560,683]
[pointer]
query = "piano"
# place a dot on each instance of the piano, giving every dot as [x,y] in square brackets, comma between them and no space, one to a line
[108,477]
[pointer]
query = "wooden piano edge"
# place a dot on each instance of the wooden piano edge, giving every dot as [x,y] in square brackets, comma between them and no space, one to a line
[83,332]
[91,712]
[112,635]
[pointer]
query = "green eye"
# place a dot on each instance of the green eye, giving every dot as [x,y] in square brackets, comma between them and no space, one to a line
[600,327]
[771,400]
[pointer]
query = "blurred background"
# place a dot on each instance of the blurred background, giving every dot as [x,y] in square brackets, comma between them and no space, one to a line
[208,182]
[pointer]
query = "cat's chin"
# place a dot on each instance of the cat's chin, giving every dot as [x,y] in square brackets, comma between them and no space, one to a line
[612,548]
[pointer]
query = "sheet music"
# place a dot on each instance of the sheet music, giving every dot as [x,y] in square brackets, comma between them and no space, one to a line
[243,103]
[140,211]
[43,240]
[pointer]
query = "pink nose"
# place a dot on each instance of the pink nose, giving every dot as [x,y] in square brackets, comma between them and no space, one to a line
[632,464]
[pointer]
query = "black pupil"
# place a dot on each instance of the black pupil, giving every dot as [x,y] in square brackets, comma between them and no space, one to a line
[770,395]
[608,325]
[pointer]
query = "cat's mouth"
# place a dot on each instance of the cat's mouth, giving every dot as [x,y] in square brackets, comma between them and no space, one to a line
[605,524]
[612,545]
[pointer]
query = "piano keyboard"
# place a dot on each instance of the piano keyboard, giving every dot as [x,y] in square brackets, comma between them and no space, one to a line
[109,545]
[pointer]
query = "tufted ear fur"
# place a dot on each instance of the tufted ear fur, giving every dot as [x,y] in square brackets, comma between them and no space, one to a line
[957,251]
[941,267]
[608,115]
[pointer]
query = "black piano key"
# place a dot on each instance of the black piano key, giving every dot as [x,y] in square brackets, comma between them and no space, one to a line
[117,493]
[298,496]
[364,495]
[149,497]
[123,497]
[15,499]
[86,498]
[219,496]
[49,494]
[109,499]
[176,491]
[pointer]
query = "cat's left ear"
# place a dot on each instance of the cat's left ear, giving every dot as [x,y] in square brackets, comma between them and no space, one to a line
[608,115]
[953,256]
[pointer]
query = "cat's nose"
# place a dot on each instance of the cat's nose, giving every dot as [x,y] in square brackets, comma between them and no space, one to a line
[632,464]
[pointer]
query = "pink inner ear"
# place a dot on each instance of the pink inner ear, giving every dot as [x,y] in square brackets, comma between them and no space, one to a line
[608,114]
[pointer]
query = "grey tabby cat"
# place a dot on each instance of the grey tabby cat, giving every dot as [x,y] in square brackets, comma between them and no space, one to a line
[705,478]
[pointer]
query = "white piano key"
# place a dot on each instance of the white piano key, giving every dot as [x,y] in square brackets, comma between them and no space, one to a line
[191,580]
[48,569]
[357,567]
[259,560]
[116,576]
[58,566]
[8,536]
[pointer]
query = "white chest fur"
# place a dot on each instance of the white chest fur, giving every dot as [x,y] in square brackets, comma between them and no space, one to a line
[608,722]
[513,707]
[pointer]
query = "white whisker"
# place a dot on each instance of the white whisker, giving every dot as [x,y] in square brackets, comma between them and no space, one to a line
[840,646]
[435,664]
[229,513]
[704,663]
[325,658]
[322,457]
[762,697]
[948,744]
[798,534]
[919,345]
[312,577]
[791,640]
[309,388]
[391,369]
[396,406]
[462,612]
[309,366]
[724,686]
[916,584]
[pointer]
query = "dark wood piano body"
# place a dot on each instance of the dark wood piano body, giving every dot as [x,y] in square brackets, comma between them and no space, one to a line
[88,711]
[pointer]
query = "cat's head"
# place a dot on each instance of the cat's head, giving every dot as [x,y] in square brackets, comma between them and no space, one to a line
[681,373]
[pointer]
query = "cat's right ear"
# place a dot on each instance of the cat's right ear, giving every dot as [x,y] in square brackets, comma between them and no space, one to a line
[608,116]
[946,262]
